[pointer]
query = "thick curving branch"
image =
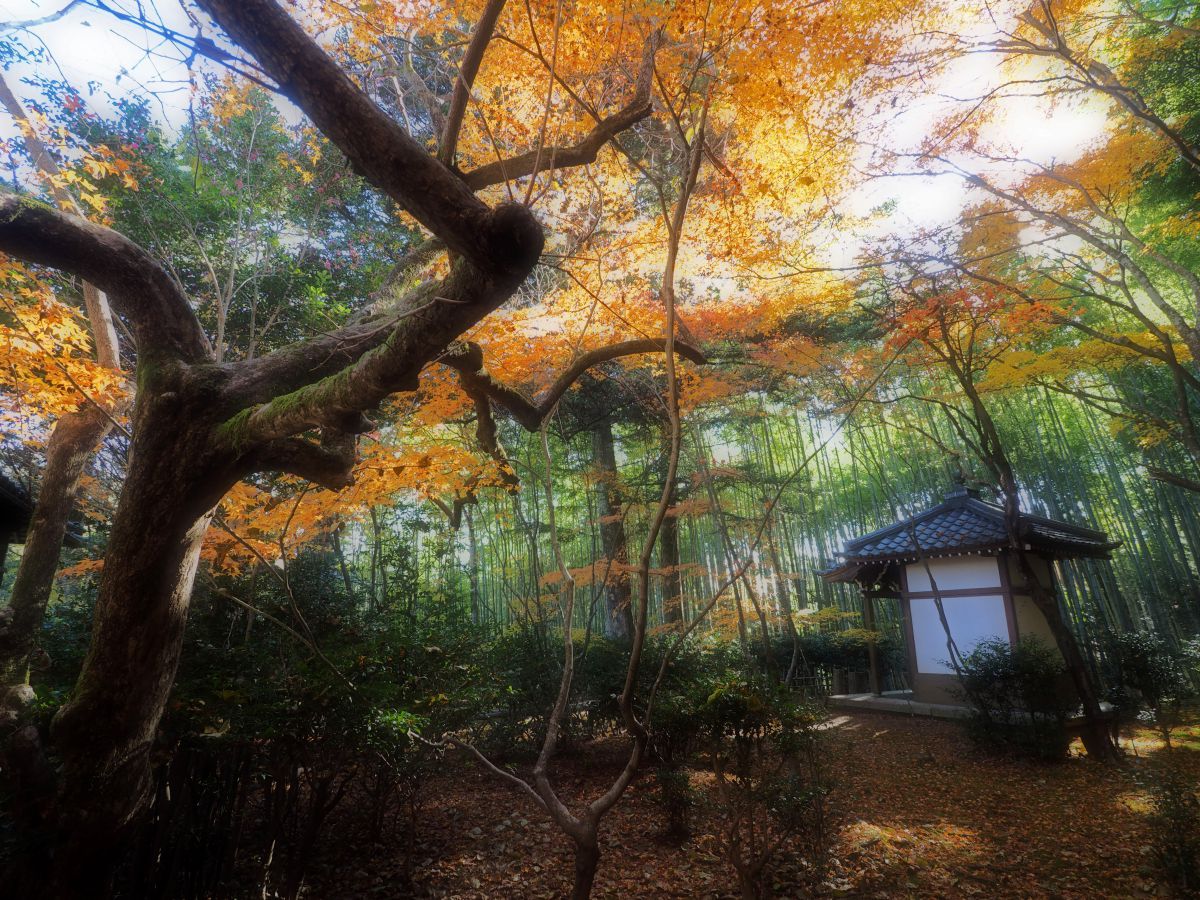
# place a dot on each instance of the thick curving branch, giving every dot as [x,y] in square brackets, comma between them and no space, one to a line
[505,240]
[467,360]
[384,362]
[328,378]
[306,362]
[139,288]
[329,465]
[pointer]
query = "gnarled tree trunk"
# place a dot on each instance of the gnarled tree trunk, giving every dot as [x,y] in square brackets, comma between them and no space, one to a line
[587,859]
[105,733]
[199,426]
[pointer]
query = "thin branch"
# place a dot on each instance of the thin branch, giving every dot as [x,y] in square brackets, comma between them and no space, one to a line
[480,38]
[585,151]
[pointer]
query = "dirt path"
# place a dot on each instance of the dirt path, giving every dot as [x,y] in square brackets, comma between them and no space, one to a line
[918,812]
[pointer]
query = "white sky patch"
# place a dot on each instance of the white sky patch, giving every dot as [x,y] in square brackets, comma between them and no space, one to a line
[99,54]
[1021,123]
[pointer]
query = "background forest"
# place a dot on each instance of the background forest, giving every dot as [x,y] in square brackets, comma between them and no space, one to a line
[806,267]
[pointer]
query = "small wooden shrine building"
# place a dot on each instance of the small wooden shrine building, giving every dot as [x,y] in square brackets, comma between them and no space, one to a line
[964,545]
[16,512]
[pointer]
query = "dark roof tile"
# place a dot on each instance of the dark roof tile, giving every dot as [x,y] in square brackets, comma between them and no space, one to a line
[964,523]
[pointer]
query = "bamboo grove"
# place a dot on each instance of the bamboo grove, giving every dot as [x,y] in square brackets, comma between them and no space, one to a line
[872,472]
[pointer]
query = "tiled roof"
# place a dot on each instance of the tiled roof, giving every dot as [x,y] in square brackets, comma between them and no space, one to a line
[964,523]
[16,510]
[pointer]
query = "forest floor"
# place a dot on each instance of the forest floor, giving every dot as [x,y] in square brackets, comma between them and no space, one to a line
[917,811]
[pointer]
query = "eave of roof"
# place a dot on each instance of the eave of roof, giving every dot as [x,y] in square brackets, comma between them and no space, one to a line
[965,524]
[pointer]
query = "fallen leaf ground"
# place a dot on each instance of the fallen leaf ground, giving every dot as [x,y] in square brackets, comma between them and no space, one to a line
[917,812]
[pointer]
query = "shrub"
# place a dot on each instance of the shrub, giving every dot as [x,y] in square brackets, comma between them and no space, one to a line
[1151,679]
[822,652]
[523,675]
[677,798]
[599,680]
[764,750]
[675,728]
[1016,698]
[1175,827]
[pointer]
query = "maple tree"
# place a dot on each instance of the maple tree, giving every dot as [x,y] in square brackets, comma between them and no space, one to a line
[231,419]
[228,422]
[1081,236]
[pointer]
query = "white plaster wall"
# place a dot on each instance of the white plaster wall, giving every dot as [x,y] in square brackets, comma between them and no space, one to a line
[955,573]
[971,620]
[1031,622]
[1041,569]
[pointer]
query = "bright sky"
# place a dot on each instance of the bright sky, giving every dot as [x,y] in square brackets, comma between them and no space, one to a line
[91,47]
[1029,127]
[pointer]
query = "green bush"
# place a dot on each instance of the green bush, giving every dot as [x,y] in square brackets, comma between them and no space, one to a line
[821,653]
[1016,698]
[764,748]
[677,798]
[1175,827]
[1151,679]
[524,671]
[678,721]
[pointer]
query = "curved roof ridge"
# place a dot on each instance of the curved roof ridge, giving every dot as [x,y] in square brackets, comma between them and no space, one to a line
[965,523]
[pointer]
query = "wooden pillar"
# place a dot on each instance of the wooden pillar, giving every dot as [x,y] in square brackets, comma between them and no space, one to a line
[872,650]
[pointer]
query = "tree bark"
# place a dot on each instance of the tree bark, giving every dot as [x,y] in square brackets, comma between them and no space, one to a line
[618,606]
[105,733]
[668,548]
[72,443]
[587,858]
[336,537]
[473,568]
[785,603]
